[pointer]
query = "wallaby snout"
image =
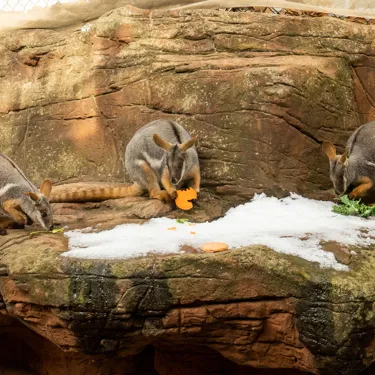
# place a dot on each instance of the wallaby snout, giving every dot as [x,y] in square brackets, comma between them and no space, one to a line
[175,155]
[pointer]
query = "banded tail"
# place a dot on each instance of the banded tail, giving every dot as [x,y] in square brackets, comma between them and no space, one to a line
[95,194]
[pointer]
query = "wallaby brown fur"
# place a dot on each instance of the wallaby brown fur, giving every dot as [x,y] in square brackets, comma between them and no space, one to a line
[96,194]
[353,172]
[160,155]
[20,201]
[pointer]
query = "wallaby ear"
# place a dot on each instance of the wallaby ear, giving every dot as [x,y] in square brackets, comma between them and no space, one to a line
[33,196]
[190,143]
[46,187]
[342,158]
[161,142]
[329,149]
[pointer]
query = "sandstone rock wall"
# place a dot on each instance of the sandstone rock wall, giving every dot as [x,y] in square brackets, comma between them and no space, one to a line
[261,92]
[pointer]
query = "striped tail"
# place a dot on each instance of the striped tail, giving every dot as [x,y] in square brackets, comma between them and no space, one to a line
[95,194]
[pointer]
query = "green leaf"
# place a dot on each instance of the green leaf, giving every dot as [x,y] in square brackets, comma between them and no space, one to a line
[57,230]
[182,221]
[345,199]
[353,207]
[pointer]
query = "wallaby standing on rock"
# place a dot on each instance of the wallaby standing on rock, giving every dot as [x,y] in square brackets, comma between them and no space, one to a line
[20,199]
[354,171]
[160,155]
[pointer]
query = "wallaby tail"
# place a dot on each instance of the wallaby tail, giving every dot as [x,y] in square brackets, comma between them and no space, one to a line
[95,194]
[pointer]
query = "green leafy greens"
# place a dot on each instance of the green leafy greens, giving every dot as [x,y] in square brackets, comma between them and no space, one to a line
[58,230]
[353,207]
[182,221]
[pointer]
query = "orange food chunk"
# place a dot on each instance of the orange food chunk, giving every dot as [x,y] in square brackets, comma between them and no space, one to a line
[172,228]
[213,247]
[184,197]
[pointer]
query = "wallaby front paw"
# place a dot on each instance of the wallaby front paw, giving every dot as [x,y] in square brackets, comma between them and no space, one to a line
[173,194]
[162,195]
[3,232]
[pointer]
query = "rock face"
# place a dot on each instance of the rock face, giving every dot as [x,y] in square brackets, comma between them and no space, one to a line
[230,312]
[261,92]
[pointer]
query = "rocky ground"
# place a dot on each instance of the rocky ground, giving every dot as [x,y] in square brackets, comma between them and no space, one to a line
[261,92]
[233,311]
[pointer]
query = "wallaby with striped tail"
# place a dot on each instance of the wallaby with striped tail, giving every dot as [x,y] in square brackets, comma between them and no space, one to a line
[160,158]
[20,201]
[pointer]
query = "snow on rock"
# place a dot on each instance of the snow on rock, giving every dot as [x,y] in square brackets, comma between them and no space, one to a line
[293,225]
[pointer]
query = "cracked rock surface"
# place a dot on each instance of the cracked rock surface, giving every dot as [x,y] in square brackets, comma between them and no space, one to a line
[239,310]
[261,92]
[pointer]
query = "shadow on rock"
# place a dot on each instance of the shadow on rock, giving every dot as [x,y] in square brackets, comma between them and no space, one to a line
[338,332]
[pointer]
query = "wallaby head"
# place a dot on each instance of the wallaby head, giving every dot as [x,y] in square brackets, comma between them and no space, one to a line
[42,203]
[175,156]
[337,166]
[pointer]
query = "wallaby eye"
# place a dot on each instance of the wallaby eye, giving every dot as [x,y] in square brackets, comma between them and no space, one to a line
[44,214]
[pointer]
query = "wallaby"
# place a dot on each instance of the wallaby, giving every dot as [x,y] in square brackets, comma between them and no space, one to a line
[161,154]
[353,172]
[20,200]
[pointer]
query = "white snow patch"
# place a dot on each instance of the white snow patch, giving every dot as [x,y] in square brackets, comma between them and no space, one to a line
[293,225]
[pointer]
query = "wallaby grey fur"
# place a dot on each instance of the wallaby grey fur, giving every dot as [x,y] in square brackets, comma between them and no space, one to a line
[162,154]
[20,199]
[353,172]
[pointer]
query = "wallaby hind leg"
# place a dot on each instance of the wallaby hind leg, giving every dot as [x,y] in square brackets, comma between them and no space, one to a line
[13,208]
[4,224]
[365,184]
[7,224]
[153,185]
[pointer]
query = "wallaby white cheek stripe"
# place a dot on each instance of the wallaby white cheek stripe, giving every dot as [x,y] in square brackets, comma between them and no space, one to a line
[182,173]
[154,163]
[345,183]
[5,188]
